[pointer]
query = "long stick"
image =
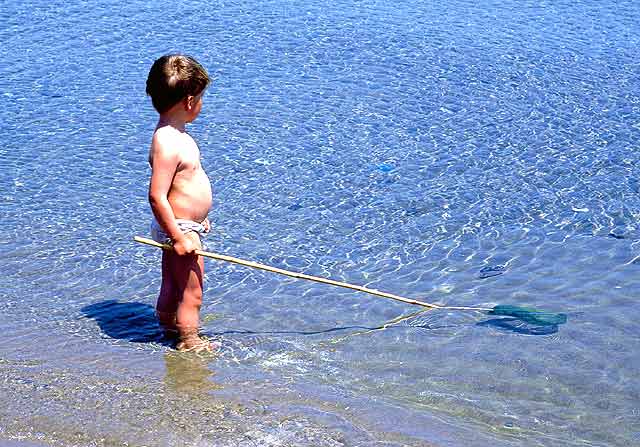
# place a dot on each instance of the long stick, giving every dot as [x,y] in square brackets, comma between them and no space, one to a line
[268,268]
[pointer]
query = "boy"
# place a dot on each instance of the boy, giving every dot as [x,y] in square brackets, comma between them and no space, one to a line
[179,195]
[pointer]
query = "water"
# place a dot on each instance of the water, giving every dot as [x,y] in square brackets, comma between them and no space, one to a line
[462,153]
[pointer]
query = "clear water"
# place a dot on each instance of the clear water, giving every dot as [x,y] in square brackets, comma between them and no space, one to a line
[463,153]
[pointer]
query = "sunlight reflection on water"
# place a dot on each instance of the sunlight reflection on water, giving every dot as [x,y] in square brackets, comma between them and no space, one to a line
[464,154]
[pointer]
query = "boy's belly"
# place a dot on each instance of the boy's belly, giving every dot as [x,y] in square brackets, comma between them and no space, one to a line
[191,198]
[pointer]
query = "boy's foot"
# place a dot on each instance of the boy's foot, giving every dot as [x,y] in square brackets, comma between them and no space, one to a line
[197,344]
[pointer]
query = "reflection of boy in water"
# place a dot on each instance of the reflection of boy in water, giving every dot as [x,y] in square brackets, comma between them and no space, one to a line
[179,194]
[188,373]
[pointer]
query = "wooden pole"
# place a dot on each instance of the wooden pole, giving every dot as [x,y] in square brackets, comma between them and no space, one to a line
[297,275]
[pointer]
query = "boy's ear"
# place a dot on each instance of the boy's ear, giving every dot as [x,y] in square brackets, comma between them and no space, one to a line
[189,103]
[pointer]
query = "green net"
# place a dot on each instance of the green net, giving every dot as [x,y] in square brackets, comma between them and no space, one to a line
[528,315]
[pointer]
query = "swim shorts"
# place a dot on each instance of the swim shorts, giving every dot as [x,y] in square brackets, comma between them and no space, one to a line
[185,225]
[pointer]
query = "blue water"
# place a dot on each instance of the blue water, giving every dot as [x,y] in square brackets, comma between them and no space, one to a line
[462,153]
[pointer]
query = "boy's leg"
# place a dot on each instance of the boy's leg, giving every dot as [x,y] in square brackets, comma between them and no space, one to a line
[188,273]
[167,304]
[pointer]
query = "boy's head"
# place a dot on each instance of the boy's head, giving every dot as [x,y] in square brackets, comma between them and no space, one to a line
[173,78]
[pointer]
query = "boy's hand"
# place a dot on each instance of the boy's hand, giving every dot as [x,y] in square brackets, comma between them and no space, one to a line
[184,246]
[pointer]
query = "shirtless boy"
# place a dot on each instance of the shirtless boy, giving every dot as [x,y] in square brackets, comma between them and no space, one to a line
[179,195]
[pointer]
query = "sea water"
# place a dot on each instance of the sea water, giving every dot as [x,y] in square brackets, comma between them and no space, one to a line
[468,153]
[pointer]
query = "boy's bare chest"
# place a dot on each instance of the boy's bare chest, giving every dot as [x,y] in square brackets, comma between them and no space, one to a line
[189,158]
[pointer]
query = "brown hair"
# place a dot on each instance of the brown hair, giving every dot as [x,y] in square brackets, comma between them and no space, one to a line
[174,77]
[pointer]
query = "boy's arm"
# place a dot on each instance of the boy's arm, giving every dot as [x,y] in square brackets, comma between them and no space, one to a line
[164,164]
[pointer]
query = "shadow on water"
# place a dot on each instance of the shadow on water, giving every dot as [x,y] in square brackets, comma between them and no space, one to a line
[134,322]
[519,327]
[294,332]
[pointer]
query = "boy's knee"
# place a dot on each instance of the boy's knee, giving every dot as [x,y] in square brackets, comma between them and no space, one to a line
[193,295]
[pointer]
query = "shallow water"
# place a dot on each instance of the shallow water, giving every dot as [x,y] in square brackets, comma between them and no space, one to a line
[463,153]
